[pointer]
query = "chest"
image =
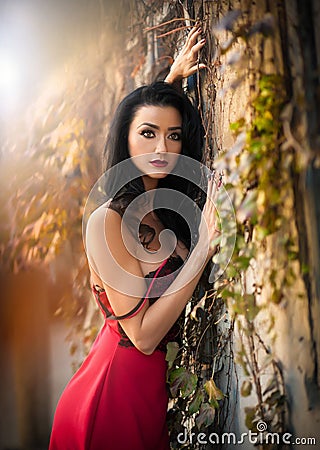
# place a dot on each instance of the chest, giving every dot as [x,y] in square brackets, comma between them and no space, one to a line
[156,246]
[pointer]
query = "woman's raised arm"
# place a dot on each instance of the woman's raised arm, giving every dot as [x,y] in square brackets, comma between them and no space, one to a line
[186,63]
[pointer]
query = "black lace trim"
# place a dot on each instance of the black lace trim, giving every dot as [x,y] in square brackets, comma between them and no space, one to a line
[174,334]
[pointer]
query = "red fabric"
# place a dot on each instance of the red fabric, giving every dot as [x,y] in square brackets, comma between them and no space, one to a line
[117,400]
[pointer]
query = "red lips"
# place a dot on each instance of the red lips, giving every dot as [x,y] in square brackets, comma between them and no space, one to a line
[158,163]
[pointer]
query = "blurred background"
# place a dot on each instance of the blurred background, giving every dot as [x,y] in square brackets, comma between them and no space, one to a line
[64,66]
[60,77]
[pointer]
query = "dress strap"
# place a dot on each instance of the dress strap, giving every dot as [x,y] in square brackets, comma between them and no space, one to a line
[139,305]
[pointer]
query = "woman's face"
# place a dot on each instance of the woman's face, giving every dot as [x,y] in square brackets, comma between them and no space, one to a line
[154,141]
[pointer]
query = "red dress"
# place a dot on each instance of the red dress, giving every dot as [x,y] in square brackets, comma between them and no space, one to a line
[117,400]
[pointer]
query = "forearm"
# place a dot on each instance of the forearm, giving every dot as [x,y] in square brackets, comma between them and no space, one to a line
[161,316]
[173,78]
[175,82]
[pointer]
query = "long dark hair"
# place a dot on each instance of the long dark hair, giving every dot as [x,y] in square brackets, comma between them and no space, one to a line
[116,150]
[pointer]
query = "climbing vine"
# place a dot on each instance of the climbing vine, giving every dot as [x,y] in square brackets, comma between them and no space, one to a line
[260,214]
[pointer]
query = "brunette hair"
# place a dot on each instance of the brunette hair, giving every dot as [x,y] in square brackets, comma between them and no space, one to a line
[116,150]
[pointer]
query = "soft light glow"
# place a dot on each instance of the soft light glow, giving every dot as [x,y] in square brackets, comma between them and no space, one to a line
[10,84]
[9,74]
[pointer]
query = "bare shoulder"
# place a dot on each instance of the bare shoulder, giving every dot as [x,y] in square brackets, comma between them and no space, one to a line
[110,246]
[98,216]
[104,224]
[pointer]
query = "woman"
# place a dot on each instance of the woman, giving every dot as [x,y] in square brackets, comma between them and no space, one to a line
[118,400]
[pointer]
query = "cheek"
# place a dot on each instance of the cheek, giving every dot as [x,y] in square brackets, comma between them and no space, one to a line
[175,147]
[138,145]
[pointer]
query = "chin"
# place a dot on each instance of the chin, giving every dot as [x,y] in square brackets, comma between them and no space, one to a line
[160,173]
[158,176]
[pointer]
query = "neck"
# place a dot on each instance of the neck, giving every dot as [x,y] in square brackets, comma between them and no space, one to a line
[149,183]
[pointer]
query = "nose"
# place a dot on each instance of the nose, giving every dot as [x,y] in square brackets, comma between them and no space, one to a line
[161,145]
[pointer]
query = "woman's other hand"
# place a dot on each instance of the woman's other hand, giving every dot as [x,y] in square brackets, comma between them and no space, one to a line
[186,63]
[209,228]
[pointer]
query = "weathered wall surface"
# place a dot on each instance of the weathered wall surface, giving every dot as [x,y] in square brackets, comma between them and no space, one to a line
[293,52]
[287,328]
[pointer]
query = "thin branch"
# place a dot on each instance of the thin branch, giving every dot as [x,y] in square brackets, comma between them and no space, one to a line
[172,31]
[167,23]
[255,370]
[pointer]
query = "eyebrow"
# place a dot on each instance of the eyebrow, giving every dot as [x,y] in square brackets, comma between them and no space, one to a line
[152,125]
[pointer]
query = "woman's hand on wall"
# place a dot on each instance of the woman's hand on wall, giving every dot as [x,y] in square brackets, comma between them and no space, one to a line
[187,61]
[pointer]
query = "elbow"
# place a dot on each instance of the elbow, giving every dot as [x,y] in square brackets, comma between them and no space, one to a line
[147,352]
[144,347]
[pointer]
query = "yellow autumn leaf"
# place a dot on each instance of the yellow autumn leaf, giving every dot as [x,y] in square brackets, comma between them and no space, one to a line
[213,391]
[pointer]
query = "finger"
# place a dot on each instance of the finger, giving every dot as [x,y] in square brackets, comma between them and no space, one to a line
[191,33]
[213,192]
[194,30]
[201,66]
[194,69]
[215,189]
[198,46]
[193,36]
[210,185]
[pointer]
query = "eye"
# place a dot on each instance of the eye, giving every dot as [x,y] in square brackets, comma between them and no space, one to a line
[147,133]
[175,136]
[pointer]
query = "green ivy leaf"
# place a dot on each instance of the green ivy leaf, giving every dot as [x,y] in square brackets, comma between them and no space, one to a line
[237,126]
[227,294]
[243,262]
[183,380]
[231,272]
[196,402]
[172,351]
[206,416]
